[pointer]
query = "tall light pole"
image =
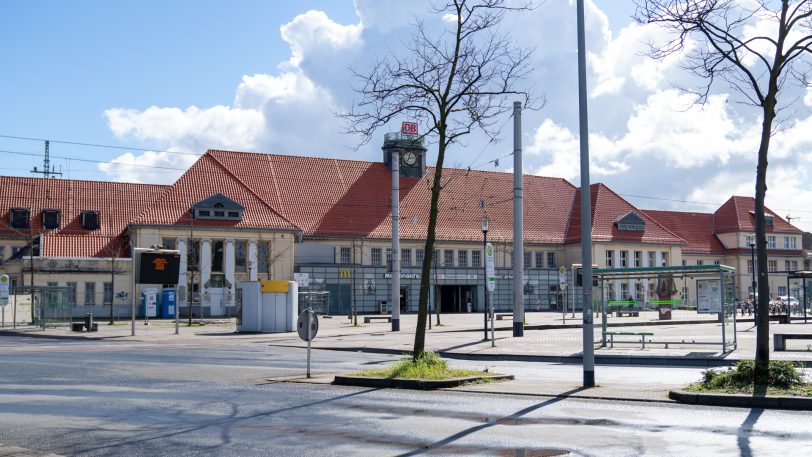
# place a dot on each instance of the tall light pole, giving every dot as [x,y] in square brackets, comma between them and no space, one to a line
[586,205]
[753,264]
[485,271]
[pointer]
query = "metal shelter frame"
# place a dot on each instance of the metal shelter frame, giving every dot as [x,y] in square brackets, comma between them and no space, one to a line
[803,276]
[725,274]
[42,301]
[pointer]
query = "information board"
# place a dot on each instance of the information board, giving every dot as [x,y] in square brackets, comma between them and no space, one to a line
[709,296]
[159,268]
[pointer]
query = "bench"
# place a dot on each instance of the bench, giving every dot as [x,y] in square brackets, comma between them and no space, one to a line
[80,327]
[500,316]
[630,312]
[368,319]
[779,339]
[781,318]
[642,336]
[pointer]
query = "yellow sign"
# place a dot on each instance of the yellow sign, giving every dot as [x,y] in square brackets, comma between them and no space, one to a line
[273,286]
[345,273]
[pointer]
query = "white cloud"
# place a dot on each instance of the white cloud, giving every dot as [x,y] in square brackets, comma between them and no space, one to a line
[314,31]
[131,168]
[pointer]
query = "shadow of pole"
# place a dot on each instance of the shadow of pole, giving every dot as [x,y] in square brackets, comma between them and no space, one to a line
[743,434]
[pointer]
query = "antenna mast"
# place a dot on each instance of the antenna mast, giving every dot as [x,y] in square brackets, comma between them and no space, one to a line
[47,170]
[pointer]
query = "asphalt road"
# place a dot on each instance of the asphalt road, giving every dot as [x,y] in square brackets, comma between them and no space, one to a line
[91,398]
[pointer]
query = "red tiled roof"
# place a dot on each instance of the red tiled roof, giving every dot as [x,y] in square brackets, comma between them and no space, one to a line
[203,179]
[695,228]
[607,207]
[736,215]
[338,198]
[117,203]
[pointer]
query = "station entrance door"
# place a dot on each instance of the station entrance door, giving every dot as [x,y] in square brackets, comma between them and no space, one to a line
[455,299]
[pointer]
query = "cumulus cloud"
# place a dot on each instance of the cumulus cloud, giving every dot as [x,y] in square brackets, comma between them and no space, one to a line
[314,31]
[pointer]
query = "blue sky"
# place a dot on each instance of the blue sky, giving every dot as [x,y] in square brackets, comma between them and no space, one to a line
[266,76]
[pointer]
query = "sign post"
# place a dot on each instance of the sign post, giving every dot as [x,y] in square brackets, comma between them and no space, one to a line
[307,328]
[490,276]
[562,286]
[4,284]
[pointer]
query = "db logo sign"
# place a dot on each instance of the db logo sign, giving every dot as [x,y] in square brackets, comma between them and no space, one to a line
[409,128]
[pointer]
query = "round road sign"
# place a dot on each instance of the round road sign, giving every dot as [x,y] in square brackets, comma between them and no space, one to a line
[301,326]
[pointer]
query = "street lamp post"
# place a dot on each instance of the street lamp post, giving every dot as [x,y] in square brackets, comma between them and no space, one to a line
[753,264]
[485,270]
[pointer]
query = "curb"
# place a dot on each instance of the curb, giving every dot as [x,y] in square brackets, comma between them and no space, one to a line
[562,359]
[741,401]
[416,384]
[32,334]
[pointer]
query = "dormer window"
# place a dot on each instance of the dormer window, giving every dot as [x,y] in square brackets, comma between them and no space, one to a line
[19,218]
[631,222]
[768,218]
[219,207]
[90,220]
[50,219]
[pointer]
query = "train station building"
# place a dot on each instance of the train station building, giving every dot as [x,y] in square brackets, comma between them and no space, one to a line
[239,216]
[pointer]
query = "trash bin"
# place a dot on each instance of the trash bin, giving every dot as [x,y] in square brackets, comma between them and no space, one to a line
[665,312]
[383,306]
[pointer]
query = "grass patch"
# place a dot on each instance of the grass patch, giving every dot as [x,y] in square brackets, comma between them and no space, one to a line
[428,366]
[785,378]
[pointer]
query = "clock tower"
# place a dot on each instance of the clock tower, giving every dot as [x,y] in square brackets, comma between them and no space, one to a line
[411,151]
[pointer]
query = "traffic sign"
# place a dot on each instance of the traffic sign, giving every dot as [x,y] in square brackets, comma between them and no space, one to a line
[301,326]
[4,286]
[562,277]
[490,269]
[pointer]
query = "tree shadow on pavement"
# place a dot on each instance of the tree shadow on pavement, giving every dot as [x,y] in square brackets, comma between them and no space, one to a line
[743,434]
[472,430]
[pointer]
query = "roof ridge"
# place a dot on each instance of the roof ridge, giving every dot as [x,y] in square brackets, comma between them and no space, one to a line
[250,189]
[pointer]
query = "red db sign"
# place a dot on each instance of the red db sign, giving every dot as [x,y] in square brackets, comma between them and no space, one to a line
[409,128]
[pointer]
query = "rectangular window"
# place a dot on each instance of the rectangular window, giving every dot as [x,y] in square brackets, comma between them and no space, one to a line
[448,258]
[786,265]
[71,293]
[264,250]
[782,290]
[772,266]
[19,217]
[389,257]
[624,291]
[793,265]
[168,243]
[551,260]
[528,259]
[717,262]
[790,243]
[376,256]
[771,242]
[749,266]
[750,240]
[665,259]
[419,256]
[435,260]
[652,259]
[346,255]
[684,262]
[52,297]
[405,257]
[50,219]
[638,258]
[462,258]
[90,220]
[240,256]
[623,260]
[700,262]
[539,259]
[609,259]
[90,293]
[476,259]
[193,255]
[108,293]
[217,256]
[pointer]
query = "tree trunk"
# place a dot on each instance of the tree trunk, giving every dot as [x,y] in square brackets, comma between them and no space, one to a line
[425,275]
[762,310]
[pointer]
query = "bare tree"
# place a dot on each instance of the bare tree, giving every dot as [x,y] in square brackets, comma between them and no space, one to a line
[454,82]
[731,50]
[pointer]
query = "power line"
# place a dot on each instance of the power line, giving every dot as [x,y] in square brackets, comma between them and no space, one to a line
[97,145]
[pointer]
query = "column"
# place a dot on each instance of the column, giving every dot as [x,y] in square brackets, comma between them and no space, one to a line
[253,274]
[630,264]
[205,268]
[659,258]
[228,268]
[645,281]
[182,281]
[616,262]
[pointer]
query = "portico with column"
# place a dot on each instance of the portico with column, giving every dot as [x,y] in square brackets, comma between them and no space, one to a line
[228,269]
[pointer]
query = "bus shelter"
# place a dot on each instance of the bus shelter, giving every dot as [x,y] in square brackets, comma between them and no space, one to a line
[796,303]
[51,305]
[706,295]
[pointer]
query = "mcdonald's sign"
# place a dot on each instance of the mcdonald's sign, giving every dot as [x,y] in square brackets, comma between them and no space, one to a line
[345,273]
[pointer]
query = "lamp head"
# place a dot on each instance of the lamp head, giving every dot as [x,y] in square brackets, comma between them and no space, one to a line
[485,224]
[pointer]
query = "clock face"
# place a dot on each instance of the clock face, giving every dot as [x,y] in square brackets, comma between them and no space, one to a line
[409,158]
